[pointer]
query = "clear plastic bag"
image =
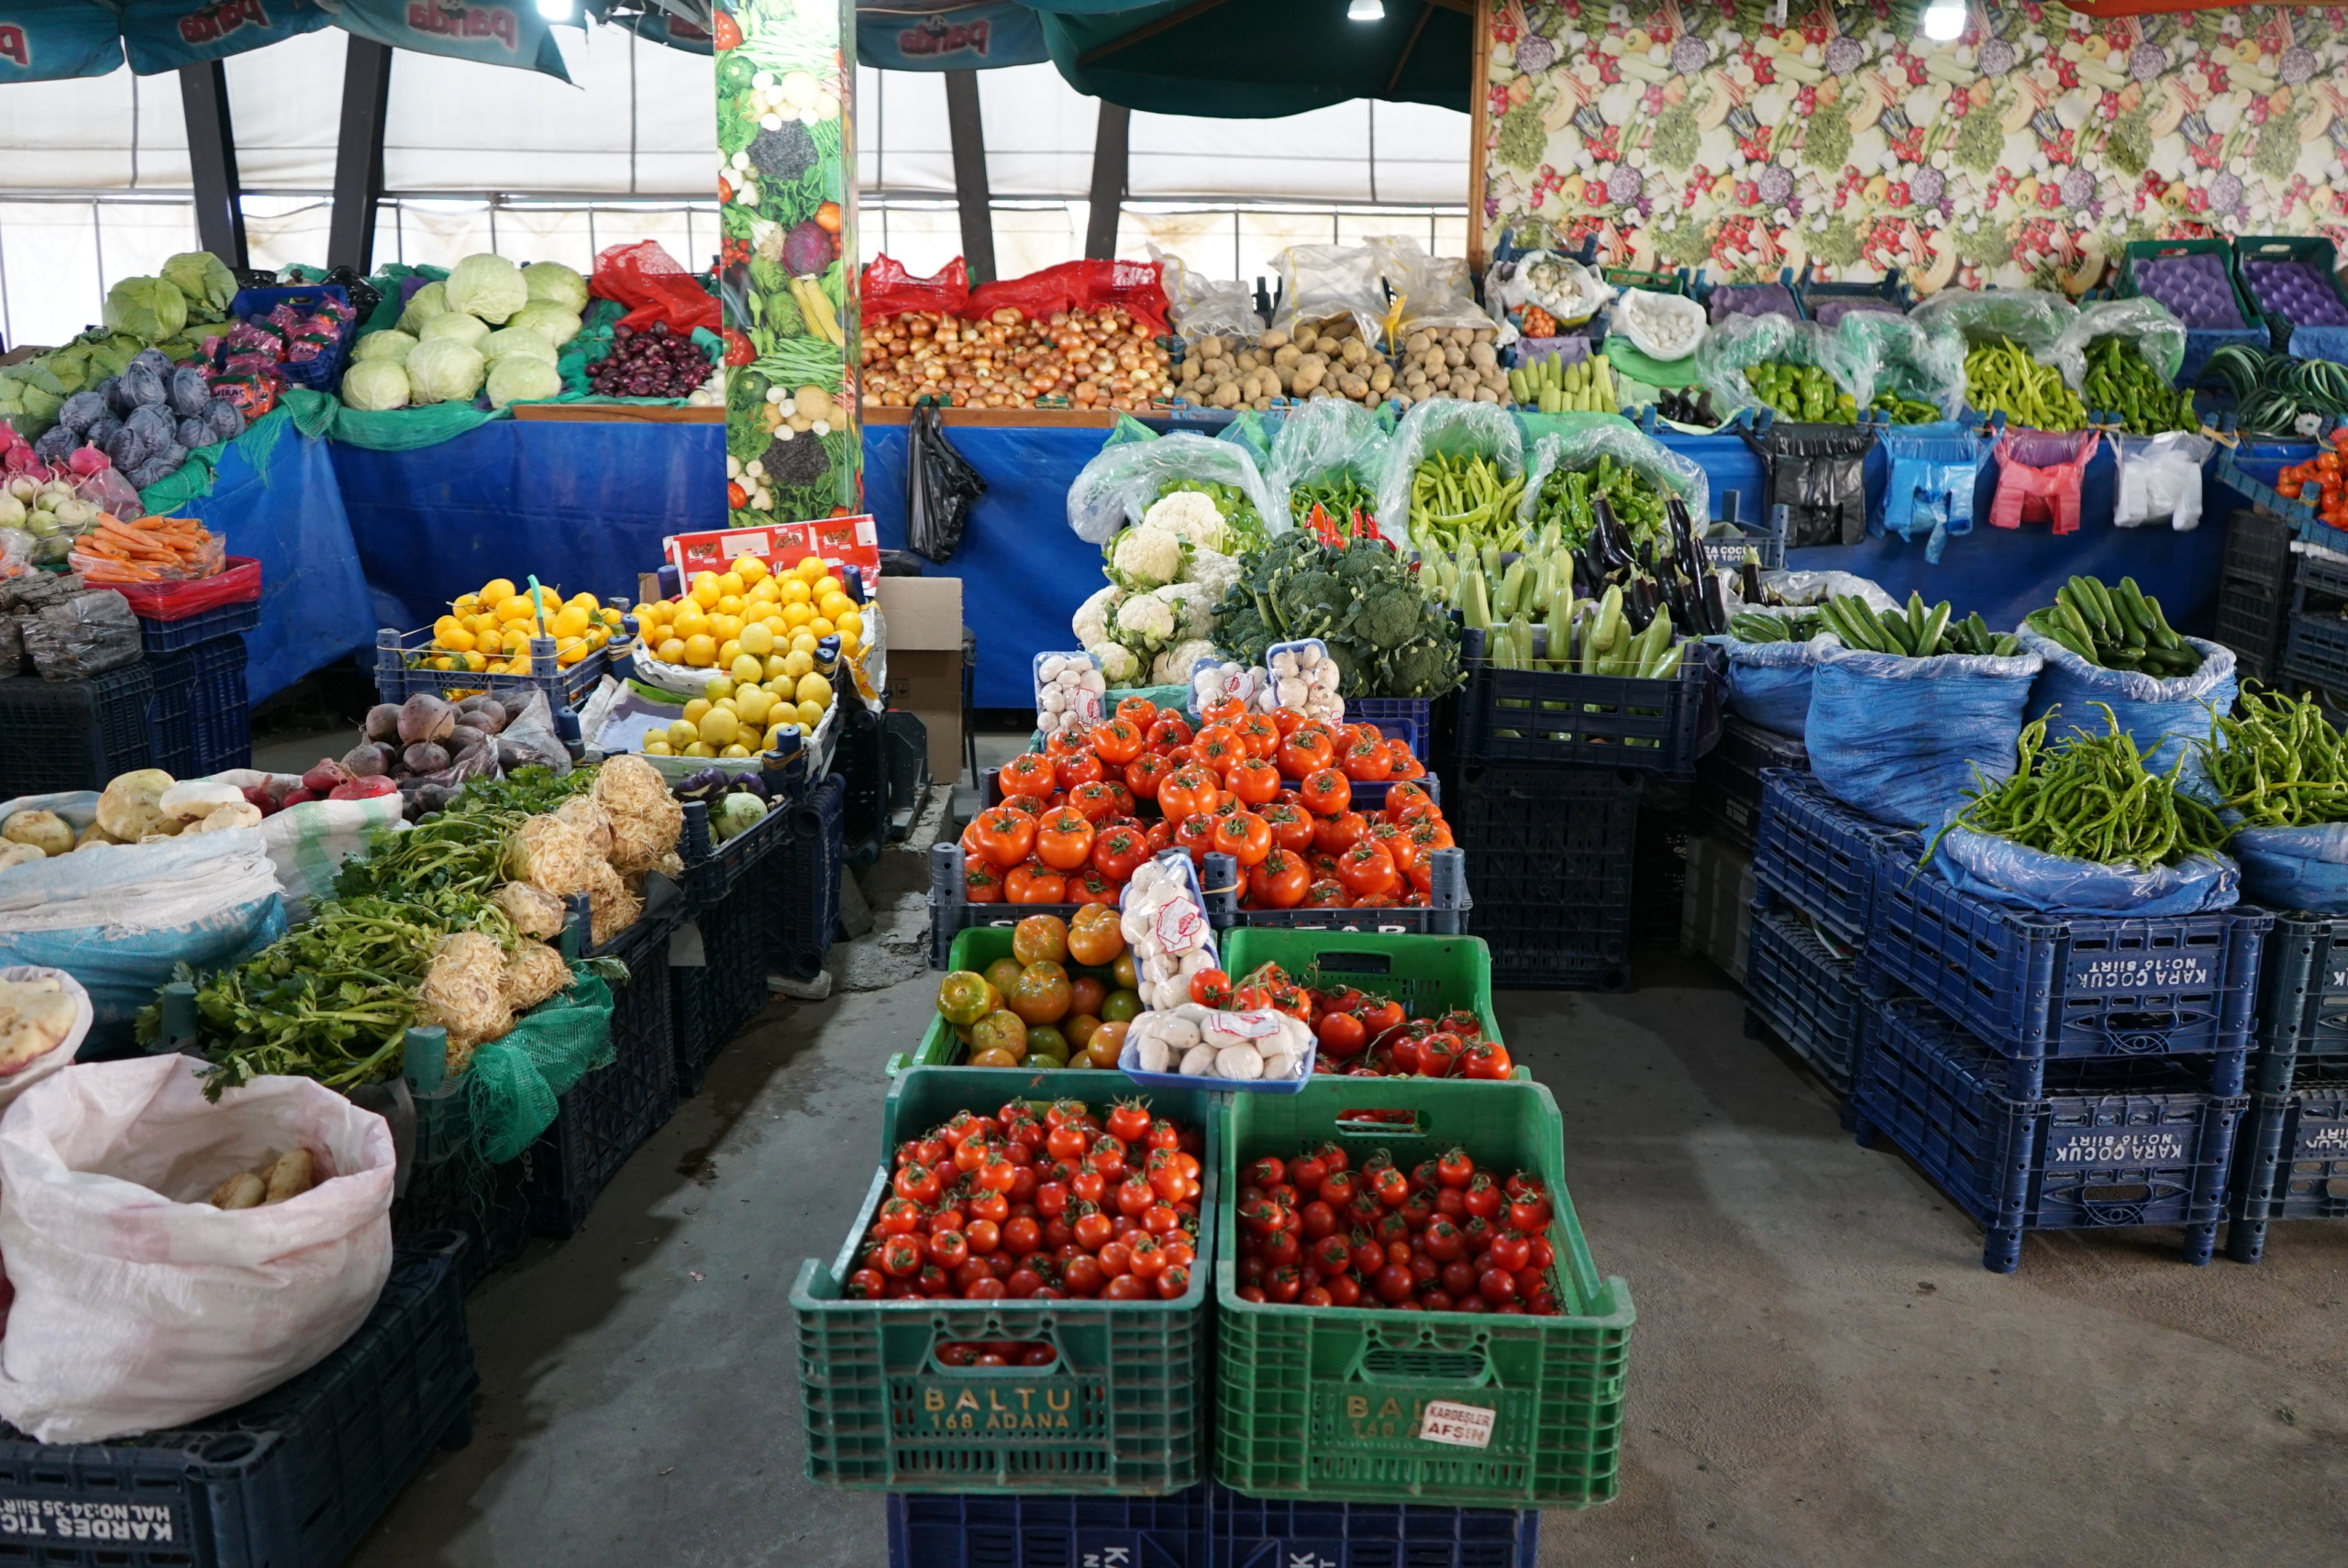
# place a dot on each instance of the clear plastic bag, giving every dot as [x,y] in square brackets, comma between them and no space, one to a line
[1641,310]
[1569,292]
[1747,340]
[2162,715]
[1205,306]
[2160,479]
[1916,360]
[1318,282]
[88,635]
[1903,739]
[2031,879]
[2151,326]
[2032,319]
[1326,437]
[1817,587]
[1116,487]
[1442,427]
[1434,290]
[1596,435]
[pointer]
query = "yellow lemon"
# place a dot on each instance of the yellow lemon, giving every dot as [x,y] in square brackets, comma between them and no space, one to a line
[610,616]
[774,736]
[650,614]
[814,689]
[583,599]
[723,626]
[832,606]
[795,591]
[724,705]
[803,642]
[776,665]
[517,639]
[684,732]
[571,621]
[750,569]
[820,628]
[809,567]
[706,592]
[746,666]
[764,591]
[852,621]
[701,651]
[796,664]
[700,749]
[496,591]
[456,639]
[796,616]
[699,706]
[656,746]
[440,663]
[719,726]
[810,714]
[691,623]
[753,703]
[717,689]
[514,607]
[672,651]
[476,662]
[571,652]
[466,603]
[732,582]
[737,749]
[730,604]
[826,583]
[728,652]
[756,639]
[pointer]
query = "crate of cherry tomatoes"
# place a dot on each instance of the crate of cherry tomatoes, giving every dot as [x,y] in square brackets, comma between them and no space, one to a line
[1022,1301]
[1379,1004]
[1407,1309]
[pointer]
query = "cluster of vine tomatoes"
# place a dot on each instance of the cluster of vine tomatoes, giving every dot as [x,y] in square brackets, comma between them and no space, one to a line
[1273,791]
[1022,1206]
[1442,1237]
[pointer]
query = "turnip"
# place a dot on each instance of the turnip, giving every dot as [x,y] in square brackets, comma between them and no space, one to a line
[425,717]
[383,722]
[424,757]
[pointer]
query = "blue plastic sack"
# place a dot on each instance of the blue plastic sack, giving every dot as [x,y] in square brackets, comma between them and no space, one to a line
[2295,867]
[2021,878]
[2162,716]
[1768,684]
[1903,739]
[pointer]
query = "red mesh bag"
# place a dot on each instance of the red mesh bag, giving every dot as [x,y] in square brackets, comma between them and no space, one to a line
[647,280]
[889,290]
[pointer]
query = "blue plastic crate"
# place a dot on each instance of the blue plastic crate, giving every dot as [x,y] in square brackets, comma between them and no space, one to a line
[712,869]
[2109,1143]
[2302,999]
[1011,1530]
[1445,914]
[321,373]
[1390,713]
[170,637]
[2294,1163]
[401,673]
[804,902]
[1251,1532]
[711,1003]
[1727,794]
[1518,716]
[1817,854]
[200,719]
[448,1186]
[1549,858]
[295,1478]
[1805,992]
[75,735]
[2044,987]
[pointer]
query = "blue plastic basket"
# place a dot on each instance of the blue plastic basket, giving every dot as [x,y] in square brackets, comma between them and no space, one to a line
[162,638]
[2302,998]
[401,672]
[321,373]
[2043,988]
[2294,1163]
[450,1187]
[200,720]
[803,902]
[712,869]
[1251,1532]
[1817,854]
[1807,994]
[1390,713]
[711,1003]
[2109,1143]
[1009,1530]
[298,1477]
[1727,793]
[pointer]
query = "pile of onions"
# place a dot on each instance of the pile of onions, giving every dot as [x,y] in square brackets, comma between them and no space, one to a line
[655,363]
[1104,358]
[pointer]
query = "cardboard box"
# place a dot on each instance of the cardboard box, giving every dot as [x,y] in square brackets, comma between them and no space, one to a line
[924,616]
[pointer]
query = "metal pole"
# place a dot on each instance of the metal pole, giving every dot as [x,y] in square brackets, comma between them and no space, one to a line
[1111,143]
[968,136]
[359,154]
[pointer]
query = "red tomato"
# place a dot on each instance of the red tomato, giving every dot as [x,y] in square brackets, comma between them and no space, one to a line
[1342,1035]
[1089,887]
[1366,762]
[1034,884]
[1188,792]
[980,885]
[1243,837]
[1096,803]
[1336,835]
[1217,747]
[1004,837]
[1327,792]
[1305,752]
[1260,735]
[1278,881]
[1029,773]
[1064,840]
[1488,1060]
[1366,869]
[1195,833]
[1118,852]
[1224,710]
[1119,740]
[1168,730]
[1325,893]
[1292,826]
[1254,780]
[1211,987]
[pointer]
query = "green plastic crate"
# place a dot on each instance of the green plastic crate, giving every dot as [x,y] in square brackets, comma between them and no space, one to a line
[1428,975]
[1124,1408]
[1324,1402]
[974,947]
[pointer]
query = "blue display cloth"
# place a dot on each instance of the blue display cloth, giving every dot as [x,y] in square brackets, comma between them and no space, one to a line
[288,514]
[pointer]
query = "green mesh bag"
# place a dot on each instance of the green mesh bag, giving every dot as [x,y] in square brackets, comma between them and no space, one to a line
[515,1082]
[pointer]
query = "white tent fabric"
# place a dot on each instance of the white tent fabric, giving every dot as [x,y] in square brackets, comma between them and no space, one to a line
[94,182]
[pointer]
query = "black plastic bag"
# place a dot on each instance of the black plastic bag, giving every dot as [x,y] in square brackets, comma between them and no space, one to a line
[1818,473]
[941,487]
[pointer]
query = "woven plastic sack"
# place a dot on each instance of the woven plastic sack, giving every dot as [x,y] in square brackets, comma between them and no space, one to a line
[2151,326]
[2032,319]
[2293,867]
[308,843]
[1589,437]
[1903,739]
[21,1077]
[138,1306]
[2159,480]
[1745,341]
[1768,683]
[1923,363]
[514,1083]
[1442,426]
[1117,486]
[2021,878]
[2162,716]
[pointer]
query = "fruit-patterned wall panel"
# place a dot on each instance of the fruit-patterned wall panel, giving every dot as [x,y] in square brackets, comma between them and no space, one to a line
[2025,152]
[786,190]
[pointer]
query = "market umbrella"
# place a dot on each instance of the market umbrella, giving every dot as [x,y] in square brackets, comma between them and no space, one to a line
[49,41]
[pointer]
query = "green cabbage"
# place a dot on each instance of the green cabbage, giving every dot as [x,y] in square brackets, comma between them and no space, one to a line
[520,378]
[421,305]
[393,345]
[487,286]
[552,322]
[371,385]
[551,282]
[202,277]
[151,308]
[466,330]
[508,340]
[442,369]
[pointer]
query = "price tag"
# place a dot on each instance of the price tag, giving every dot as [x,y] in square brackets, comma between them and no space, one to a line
[1461,1426]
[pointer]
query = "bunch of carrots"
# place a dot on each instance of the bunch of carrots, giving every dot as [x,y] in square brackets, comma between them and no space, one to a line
[145,549]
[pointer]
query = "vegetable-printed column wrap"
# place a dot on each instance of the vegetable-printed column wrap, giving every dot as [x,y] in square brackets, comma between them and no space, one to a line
[786,191]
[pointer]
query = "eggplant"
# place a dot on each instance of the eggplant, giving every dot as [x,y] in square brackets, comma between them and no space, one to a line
[750,784]
[1751,583]
[705,785]
[1715,606]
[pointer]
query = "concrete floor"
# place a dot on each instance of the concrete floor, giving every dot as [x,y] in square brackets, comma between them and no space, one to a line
[1822,1374]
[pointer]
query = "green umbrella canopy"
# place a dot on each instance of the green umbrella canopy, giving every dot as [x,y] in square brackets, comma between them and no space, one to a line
[1258,59]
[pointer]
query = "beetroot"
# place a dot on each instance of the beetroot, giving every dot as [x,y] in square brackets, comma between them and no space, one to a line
[424,757]
[368,789]
[322,777]
[261,798]
[367,759]
[300,796]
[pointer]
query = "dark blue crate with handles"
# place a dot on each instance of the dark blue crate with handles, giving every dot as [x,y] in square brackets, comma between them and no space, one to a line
[161,637]
[1445,913]
[803,900]
[714,866]
[2109,1144]
[75,735]
[1817,854]
[401,670]
[1251,1532]
[1727,794]
[319,374]
[294,1478]
[2293,1164]
[2302,999]
[200,719]
[711,1001]
[1012,1529]
[1804,992]
[2038,989]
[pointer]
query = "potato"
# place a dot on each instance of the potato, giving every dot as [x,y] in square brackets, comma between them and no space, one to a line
[16,854]
[1382,379]
[1453,354]
[1208,346]
[295,1173]
[243,1190]
[241,814]
[128,809]
[1286,354]
[44,830]
[1418,343]
[1308,375]
[1226,394]
[1462,336]
[1481,356]
[1275,339]
[92,835]
[1248,361]
[193,801]
[1326,345]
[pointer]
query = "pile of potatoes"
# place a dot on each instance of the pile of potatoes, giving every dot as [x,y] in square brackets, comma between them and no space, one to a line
[1327,360]
[1452,361]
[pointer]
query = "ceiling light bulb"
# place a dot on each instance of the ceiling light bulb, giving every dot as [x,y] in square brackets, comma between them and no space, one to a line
[1943,20]
[1366,11]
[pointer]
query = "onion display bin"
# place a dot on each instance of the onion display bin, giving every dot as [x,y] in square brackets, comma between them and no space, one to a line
[1327,1403]
[1122,1409]
[2047,988]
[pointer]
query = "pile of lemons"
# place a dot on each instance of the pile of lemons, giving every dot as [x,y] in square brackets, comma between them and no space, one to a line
[757,633]
[490,631]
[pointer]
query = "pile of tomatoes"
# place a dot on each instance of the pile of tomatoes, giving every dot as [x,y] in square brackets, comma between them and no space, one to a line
[2321,484]
[1362,1035]
[1273,791]
[1051,1207]
[1029,1010]
[1442,1237]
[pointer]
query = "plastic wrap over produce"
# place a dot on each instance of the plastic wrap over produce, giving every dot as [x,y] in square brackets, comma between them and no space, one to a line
[2029,316]
[2162,716]
[2031,879]
[1116,487]
[1742,342]
[2149,324]
[1442,427]
[1587,438]
[1203,306]
[1903,739]
[1328,437]
[2160,479]
[1910,360]
[2293,867]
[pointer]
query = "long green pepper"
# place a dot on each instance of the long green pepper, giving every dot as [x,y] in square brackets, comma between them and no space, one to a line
[2090,797]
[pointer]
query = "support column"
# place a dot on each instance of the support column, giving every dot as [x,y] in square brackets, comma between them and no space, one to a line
[1111,140]
[212,161]
[359,154]
[970,193]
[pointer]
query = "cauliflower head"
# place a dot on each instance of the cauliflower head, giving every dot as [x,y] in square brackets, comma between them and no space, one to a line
[1144,558]
[1144,622]
[1215,572]
[1091,622]
[1188,515]
[1118,666]
[1193,605]
[1174,666]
